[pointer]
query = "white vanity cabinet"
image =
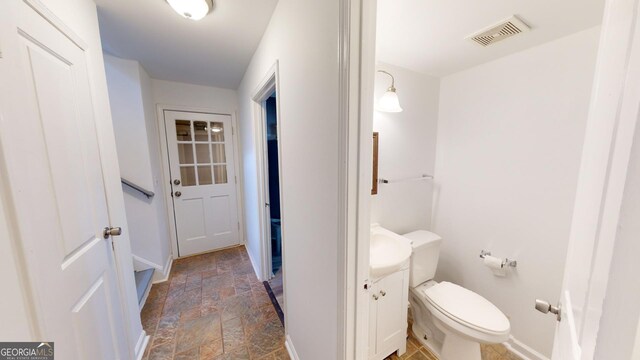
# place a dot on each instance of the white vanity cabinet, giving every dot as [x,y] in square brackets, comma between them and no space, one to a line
[388,302]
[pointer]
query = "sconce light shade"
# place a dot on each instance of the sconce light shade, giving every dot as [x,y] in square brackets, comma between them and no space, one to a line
[192,9]
[389,101]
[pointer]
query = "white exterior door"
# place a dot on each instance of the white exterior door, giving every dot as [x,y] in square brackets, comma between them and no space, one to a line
[203,180]
[54,173]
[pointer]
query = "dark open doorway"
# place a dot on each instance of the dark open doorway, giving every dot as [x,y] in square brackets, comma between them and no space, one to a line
[275,284]
[274,184]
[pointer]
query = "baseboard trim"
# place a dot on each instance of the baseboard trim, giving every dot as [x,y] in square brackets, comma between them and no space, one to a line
[290,348]
[141,346]
[162,272]
[522,350]
[145,262]
[254,266]
[165,274]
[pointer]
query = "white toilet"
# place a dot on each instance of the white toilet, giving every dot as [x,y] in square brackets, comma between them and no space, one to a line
[449,319]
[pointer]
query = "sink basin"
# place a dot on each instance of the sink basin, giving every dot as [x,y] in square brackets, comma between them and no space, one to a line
[389,252]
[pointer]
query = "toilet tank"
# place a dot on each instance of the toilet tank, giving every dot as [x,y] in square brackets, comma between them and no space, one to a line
[424,258]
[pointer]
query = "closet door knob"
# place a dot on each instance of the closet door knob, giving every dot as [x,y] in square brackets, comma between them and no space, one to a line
[383,293]
[375,297]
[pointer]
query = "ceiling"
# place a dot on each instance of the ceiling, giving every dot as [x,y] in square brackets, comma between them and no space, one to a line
[429,36]
[214,51]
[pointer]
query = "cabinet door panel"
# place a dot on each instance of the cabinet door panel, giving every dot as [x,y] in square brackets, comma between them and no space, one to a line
[373,321]
[390,325]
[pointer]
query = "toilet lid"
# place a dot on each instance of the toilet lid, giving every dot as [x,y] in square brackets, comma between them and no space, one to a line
[467,307]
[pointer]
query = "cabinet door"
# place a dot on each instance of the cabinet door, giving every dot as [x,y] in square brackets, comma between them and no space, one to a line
[373,320]
[392,314]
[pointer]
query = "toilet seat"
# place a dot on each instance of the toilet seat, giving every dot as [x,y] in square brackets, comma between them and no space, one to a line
[467,308]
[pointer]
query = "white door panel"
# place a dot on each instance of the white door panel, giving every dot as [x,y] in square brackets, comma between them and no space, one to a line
[566,338]
[390,325]
[613,116]
[79,211]
[201,163]
[220,224]
[55,174]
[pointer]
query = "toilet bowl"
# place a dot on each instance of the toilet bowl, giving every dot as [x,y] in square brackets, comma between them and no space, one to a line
[447,318]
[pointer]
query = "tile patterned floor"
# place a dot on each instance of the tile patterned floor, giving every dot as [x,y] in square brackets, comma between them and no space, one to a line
[415,351]
[212,308]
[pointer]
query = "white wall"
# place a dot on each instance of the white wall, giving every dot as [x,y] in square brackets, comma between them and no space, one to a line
[137,139]
[197,96]
[635,354]
[125,98]
[621,309]
[155,158]
[303,37]
[510,136]
[407,148]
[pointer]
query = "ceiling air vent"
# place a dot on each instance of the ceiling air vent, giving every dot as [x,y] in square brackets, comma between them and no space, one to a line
[499,32]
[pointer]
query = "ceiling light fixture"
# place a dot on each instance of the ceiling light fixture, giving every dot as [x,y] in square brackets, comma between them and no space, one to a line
[192,9]
[389,101]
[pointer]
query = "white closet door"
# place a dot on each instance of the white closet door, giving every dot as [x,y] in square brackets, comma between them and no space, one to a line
[50,150]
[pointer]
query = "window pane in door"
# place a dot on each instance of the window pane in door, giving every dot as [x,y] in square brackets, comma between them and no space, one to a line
[188,175]
[217,132]
[202,153]
[185,153]
[200,130]
[218,153]
[183,130]
[220,172]
[204,175]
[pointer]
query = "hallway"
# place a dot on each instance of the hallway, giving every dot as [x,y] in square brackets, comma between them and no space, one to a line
[212,308]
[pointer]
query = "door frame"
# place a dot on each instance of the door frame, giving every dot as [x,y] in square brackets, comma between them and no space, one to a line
[267,86]
[166,175]
[357,81]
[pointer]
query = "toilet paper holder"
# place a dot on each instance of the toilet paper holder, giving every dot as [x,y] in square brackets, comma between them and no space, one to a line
[505,261]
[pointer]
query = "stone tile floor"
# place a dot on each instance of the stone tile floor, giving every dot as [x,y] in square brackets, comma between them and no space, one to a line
[415,351]
[212,308]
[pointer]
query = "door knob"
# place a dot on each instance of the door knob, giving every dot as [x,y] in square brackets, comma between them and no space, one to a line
[177,193]
[383,293]
[545,308]
[375,297]
[176,182]
[111,231]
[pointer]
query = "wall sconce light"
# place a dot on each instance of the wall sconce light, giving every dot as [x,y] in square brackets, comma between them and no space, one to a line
[389,101]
